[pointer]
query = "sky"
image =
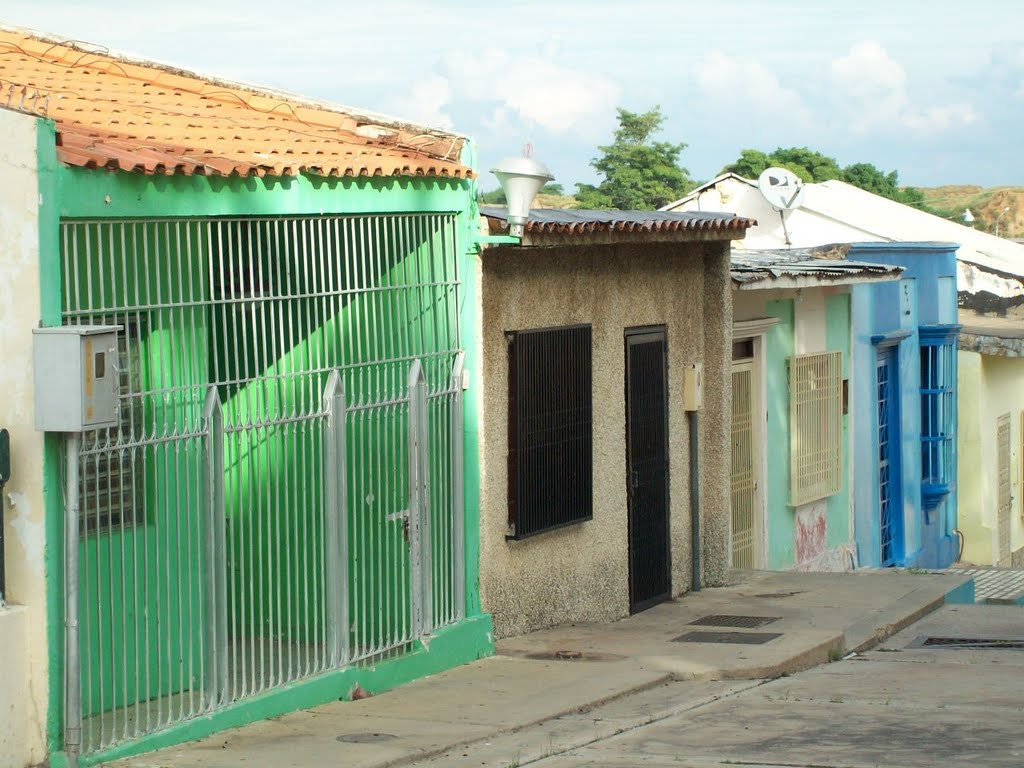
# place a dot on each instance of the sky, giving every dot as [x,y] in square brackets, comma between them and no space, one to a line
[930,88]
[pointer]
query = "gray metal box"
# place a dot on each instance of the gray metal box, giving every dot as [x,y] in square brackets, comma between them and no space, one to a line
[76,377]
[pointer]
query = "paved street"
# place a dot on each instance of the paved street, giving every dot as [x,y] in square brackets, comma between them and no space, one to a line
[896,705]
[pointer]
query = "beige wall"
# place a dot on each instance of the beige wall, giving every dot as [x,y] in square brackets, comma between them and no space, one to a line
[23,648]
[580,573]
[989,386]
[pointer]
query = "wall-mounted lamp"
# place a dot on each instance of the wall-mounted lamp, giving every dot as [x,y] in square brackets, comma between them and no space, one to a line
[521,178]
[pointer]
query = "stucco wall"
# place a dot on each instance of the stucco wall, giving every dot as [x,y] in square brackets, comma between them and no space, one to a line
[989,387]
[581,572]
[23,646]
[815,536]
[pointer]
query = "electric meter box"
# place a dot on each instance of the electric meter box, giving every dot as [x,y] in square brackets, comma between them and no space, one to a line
[76,377]
[693,386]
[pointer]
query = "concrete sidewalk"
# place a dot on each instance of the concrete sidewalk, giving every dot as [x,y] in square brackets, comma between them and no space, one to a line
[547,678]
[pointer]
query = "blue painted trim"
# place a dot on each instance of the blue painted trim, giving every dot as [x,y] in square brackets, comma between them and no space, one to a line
[911,560]
[961,595]
[932,495]
[937,335]
[902,246]
[889,339]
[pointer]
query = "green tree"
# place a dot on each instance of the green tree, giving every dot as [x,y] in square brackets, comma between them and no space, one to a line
[805,163]
[638,173]
[751,164]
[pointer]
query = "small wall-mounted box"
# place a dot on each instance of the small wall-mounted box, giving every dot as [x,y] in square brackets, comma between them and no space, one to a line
[693,386]
[76,377]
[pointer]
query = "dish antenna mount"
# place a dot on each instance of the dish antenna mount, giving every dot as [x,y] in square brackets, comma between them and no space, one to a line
[782,188]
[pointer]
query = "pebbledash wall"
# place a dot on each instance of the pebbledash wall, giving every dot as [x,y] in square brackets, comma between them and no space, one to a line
[818,535]
[37,194]
[23,621]
[580,572]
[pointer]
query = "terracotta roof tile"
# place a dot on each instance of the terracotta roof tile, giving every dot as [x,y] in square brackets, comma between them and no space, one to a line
[137,116]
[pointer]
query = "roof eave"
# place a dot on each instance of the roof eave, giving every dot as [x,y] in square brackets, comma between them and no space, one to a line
[791,282]
[612,237]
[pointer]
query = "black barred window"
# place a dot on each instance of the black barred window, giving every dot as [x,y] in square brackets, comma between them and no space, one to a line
[550,448]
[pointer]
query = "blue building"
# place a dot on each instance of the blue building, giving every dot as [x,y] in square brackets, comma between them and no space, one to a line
[904,364]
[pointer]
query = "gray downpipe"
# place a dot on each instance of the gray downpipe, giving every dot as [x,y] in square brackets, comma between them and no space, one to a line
[72,663]
[694,503]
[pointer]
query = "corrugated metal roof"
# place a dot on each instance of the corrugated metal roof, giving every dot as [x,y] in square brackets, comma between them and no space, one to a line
[112,112]
[564,221]
[843,210]
[823,264]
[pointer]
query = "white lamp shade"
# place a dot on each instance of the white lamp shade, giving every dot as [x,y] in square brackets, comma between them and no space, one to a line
[521,178]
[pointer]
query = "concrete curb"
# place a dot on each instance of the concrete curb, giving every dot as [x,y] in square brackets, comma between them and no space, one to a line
[578,709]
[564,732]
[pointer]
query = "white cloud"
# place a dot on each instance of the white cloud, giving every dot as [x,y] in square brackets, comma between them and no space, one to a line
[426,103]
[536,88]
[871,91]
[749,85]
[938,119]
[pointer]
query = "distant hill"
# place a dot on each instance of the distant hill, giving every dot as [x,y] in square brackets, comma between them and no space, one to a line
[985,203]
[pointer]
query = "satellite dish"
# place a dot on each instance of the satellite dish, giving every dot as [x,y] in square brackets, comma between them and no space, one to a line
[782,189]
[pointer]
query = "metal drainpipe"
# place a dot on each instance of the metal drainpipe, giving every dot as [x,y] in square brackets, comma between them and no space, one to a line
[72,663]
[694,503]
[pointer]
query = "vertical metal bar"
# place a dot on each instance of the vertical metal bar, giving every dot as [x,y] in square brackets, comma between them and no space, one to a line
[336,521]
[216,582]
[415,563]
[72,664]
[458,490]
[419,503]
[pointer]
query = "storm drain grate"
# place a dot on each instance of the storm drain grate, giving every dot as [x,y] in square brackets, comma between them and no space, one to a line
[986,643]
[740,638]
[723,620]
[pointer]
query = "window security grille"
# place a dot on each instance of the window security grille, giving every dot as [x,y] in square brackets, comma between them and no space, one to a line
[938,412]
[550,448]
[816,427]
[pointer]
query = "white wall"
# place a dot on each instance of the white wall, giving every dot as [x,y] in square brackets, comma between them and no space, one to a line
[803,228]
[23,646]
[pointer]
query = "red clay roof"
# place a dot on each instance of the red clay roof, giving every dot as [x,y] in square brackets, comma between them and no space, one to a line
[139,116]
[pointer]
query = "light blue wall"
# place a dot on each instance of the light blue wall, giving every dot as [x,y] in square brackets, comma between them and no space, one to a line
[925,296]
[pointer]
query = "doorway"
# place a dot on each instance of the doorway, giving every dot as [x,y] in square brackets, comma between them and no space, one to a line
[890,497]
[746,532]
[647,467]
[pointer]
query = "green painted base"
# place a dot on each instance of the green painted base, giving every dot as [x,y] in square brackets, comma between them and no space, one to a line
[467,641]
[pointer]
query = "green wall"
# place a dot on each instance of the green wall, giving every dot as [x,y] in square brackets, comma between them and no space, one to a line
[781,527]
[110,196]
[779,346]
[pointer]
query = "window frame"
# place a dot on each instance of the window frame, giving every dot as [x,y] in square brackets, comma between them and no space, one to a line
[567,503]
[938,393]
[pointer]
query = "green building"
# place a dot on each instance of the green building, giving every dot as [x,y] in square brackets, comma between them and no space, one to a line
[280,513]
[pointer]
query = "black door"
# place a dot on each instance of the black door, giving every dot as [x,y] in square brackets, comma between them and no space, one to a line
[647,467]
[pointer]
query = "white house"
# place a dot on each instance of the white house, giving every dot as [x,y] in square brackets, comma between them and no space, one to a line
[990,284]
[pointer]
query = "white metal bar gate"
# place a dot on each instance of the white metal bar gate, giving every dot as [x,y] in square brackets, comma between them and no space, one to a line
[283,494]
